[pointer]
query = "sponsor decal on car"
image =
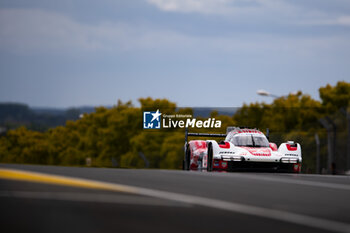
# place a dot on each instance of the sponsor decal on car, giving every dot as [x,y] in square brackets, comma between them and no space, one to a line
[290,154]
[258,151]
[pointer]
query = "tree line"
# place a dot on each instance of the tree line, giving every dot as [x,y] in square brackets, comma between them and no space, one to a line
[114,137]
[14,115]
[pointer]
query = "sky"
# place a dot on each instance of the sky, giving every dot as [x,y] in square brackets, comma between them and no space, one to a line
[196,53]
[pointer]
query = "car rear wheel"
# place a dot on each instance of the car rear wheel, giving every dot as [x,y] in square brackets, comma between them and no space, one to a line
[187,161]
[210,157]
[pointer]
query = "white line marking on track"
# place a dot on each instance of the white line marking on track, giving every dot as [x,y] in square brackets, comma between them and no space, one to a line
[280,215]
[281,180]
[299,182]
[250,210]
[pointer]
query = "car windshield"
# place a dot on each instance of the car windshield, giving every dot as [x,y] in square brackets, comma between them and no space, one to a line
[250,141]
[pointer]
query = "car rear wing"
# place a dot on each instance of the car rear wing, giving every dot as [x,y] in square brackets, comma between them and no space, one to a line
[230,128]
[187,134]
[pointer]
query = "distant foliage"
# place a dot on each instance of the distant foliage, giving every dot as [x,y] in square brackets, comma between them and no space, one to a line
[334,98]
[296,117]
[292,112]
[114,137]
[15,115]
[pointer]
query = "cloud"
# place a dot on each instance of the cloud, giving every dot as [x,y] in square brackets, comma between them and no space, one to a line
[344,20]
[221,7]
[202,6]
[259,11]
[33,31]
[327,21]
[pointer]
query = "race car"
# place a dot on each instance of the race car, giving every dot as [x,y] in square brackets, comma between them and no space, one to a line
[243,149]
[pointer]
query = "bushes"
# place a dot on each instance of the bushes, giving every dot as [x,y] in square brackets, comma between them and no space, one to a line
[108,137]
[115,137]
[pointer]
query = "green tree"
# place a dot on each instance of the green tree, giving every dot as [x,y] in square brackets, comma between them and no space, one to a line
[334,98]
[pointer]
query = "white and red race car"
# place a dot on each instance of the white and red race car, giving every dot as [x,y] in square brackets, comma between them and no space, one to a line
[243,149]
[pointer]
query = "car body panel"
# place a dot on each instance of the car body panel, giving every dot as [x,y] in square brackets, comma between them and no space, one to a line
[252,150]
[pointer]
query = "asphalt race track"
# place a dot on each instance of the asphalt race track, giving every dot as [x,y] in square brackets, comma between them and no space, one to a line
[127,200]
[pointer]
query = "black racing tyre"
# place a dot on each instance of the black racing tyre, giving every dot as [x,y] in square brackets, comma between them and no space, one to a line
[290,168]
[187,162]
[210,157]
[287,168]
